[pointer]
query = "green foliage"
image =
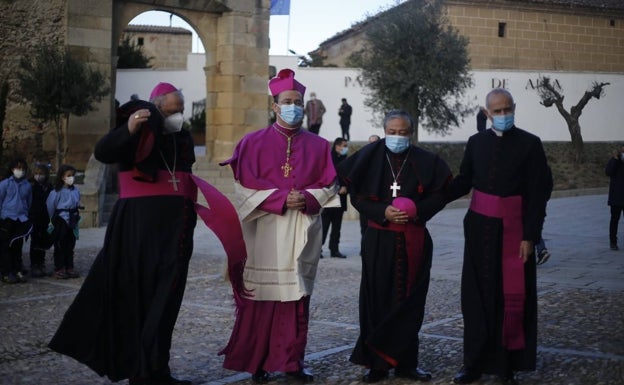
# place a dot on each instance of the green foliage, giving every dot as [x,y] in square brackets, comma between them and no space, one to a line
[57,85]
[131,56]
[416,61]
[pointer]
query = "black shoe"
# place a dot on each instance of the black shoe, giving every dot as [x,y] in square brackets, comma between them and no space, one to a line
[466,376]
[167,379]
[509,379]
[614,246]
[337,254]
[37,272]
[302,375]
[375,375]
[260,377]
[415,374]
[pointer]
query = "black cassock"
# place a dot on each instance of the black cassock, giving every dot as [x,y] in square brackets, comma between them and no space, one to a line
[510,165]
[390,314]
[121,322]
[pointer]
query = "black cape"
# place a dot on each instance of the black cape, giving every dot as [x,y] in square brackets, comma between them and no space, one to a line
[121,322]
[390,317]
[513,164]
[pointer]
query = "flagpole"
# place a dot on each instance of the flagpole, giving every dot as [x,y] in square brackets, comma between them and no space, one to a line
[288,35]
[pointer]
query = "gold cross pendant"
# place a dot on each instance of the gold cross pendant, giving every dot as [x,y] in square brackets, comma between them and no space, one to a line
[287,169]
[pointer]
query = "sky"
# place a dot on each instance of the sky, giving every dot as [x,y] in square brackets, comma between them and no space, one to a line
[310,23]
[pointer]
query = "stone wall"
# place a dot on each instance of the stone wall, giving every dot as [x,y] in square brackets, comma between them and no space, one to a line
[540,37]
[537,37]
[166,47]
[23,25]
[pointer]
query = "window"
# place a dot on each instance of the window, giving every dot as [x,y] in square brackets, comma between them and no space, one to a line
[140,41]
[501,29]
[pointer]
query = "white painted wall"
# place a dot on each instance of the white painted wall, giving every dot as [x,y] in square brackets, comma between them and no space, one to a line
[602,120]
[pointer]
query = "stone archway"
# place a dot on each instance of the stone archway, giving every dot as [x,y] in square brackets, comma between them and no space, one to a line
[235,38]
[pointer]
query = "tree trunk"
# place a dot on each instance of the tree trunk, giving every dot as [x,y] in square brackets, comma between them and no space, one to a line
[59,143]
[577,141]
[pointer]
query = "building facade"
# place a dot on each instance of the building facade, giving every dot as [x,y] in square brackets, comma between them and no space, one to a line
[166,47]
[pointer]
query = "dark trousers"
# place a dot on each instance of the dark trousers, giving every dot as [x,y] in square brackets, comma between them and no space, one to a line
[345,130]
[64,244]
[616,213]
[38,245]
[314,128]
[11,247]
[332,216]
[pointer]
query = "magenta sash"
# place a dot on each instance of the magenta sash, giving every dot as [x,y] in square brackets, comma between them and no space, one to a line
[509,209]
[414,246]
[220,216]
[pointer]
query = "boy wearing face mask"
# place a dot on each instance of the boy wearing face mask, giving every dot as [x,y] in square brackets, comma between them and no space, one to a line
[40,238]
[398,187]
[15,226]
[332,216]
[63,203]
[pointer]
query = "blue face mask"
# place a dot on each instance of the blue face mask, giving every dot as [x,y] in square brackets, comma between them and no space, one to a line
[397,143]
[344,150]
[291,114]
[503,122]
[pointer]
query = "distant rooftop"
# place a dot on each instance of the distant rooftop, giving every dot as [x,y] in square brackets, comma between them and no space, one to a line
[598,5]
[157,29]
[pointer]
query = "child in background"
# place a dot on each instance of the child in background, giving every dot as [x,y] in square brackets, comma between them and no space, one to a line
[15,200]
[40,239]
[63,203]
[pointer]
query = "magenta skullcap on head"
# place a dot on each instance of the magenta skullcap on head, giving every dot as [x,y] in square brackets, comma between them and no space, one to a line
[162,89]
[285,81]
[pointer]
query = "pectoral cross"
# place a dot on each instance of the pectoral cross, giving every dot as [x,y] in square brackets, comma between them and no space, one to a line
[394,187]
[174,182]
[287,169]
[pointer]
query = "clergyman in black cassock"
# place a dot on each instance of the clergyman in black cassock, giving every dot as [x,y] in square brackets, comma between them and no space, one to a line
[506,169]
[397,248]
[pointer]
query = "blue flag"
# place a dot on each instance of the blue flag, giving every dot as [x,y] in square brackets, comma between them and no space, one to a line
[280,7]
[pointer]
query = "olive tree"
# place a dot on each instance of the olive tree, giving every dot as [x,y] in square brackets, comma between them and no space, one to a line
[414,60]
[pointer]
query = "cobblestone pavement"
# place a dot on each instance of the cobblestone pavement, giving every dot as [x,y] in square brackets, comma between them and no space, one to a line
[581,322]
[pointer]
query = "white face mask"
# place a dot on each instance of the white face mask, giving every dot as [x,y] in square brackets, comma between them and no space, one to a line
[40,178]
[69,180]
[173,123]
[18,174]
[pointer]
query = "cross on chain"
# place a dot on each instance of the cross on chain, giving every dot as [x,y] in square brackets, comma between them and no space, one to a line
[174,182]
[287,169]
[394,187]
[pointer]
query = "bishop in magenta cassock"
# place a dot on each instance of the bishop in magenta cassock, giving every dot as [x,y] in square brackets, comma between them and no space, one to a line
[284,176]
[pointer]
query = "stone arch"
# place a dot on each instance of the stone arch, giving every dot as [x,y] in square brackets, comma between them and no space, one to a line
[235,40]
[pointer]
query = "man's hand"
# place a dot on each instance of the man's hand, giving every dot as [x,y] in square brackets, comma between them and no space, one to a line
[526,249]
[395,215]
[342,190]
[295,200]
[135,120]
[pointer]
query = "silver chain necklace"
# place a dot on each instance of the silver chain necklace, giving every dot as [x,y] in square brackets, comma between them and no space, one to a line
[394,186]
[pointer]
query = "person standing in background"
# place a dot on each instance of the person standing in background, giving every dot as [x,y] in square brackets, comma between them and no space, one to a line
[345,118]
[63,203]
[15,226]
[40,240]
[314,111]
[332,216]
[615,172]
